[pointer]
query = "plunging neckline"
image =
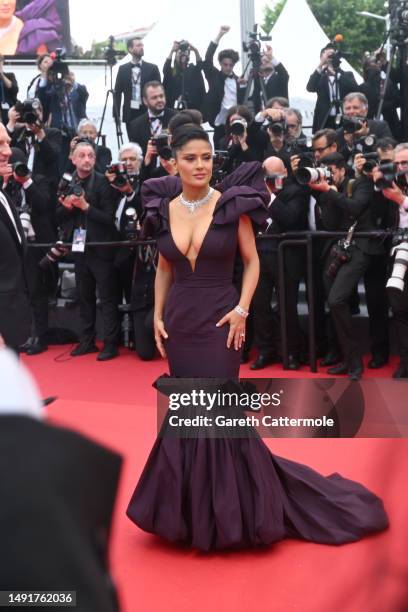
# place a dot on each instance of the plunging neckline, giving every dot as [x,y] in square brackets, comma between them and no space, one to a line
[202,243]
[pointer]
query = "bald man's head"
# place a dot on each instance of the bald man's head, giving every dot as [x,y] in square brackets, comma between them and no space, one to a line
[274,165]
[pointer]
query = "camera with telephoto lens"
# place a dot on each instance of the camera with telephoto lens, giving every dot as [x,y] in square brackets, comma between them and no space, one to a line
[161,142]
[400,253]
[278,128]
[340,254]
[59,68]
[351,125]
[238,127]
[371,161]
[28,110]
[120,171]
[21,169]
[25,218]
[132,226]
[390,175]
[253,45]
[274,181]
[305,175]
[67,186]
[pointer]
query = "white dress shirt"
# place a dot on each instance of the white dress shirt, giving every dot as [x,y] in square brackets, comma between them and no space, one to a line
[403,214]
[229,100]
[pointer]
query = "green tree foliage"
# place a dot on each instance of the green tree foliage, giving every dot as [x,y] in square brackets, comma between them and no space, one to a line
[361,34]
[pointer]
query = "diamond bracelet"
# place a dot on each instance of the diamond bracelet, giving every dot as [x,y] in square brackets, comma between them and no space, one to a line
[241,311]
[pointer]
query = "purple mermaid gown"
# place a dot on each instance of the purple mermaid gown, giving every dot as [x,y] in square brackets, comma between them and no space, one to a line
[229,492]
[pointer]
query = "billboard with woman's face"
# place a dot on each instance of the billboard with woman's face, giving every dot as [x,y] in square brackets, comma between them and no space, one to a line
[33,27]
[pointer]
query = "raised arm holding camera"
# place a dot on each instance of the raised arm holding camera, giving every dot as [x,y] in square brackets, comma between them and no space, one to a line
[183,82]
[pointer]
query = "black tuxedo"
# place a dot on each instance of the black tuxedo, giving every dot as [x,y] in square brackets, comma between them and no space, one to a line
[8,96]
[378,128]
[216,82]
[123,87]
[46,153]
[14,308]
[140,128]
[319,83]
[56,511]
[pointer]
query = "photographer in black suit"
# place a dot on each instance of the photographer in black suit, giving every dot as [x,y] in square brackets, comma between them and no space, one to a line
[32,197]
[346,203]
[130,81]
[8,90]
[331,84]
[87,130]
[183,82]
[225,89]
[14,307]
[275,78]
[155,119]
[94,212]
[353,136]
[40,144]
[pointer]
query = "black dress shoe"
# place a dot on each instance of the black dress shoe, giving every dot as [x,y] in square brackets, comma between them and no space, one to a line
[331,359]
[36,347]
[340,368]
[23,347]
[377,361]
[294,362]
[401,371]
[109,351]
[262,361]
[84,347]
[355,368]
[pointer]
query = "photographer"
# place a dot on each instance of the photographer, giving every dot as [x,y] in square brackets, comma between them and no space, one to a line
[87,131]
[241,140]
[275,79]
[63,99]
[183,82]
[8,90]
[44,63]
[31,195]
[288,212]
[331,84]
[345,205]
[88,215]
[225,89]
[395,194]
[40,144]
[136,266]
[358,133]
[149,125]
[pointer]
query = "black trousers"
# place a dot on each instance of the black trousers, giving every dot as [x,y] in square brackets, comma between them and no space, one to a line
[41,285]
[399,304]
[142,299]
[266,320]
[94,273]
[375,280]
[339,290]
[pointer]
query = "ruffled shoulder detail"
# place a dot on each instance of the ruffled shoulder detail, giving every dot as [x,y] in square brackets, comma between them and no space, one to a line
[238,201]
[156,193]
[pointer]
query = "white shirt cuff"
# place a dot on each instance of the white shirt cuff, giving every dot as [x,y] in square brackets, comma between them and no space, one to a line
[130,197]
[28,183]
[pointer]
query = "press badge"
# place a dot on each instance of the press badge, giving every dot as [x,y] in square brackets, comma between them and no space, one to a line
[78,242]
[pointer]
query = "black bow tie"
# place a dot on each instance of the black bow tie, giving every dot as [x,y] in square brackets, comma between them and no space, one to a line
[159,117]
[230,76]
[138,65]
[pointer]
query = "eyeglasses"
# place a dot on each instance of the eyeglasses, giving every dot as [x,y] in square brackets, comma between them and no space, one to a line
[321,149]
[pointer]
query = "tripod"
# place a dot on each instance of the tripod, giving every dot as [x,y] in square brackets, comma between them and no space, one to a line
[401,47]
[116,117]
[255,79]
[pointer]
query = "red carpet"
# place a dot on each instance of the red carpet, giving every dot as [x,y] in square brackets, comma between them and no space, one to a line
[114,403]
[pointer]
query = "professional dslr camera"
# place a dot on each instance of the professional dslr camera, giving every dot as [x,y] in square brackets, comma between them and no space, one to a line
[28,110]
[238,127]
[390,176]
[120,172]
[55,253]
[399,269]
[253,45]
[161,142]
[184,46]
[59,69]
[306,175]
[340,254]
[132,226]
[278,128]
[67,186]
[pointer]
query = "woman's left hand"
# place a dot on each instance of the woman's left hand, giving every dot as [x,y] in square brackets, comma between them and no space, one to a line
[236,333]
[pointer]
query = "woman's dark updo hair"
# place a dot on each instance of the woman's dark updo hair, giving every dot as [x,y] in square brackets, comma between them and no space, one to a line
[185,116]
[185,133]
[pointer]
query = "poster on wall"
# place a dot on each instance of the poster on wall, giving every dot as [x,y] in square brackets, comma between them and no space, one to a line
[31,27]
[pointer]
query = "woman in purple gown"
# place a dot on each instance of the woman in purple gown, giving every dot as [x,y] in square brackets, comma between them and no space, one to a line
[218,493]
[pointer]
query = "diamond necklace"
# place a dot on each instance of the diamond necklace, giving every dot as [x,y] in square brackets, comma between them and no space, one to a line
[193,205]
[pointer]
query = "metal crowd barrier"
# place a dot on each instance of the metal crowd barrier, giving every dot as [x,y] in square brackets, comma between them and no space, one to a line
[304,239]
